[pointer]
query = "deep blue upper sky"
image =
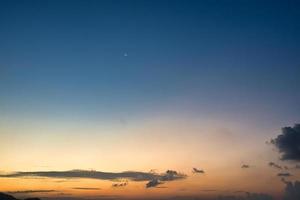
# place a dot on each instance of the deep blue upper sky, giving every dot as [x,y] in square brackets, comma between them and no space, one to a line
[67,57]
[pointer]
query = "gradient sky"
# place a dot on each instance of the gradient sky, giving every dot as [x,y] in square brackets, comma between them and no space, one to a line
[139,85]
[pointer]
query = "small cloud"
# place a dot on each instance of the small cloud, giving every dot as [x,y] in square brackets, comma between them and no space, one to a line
[245,166]
[85,188]
[119,184]
[272,164]
[284,174]
[153,171]
[288,143]
[199,171]
[161,187]
[171,175]
[153,183]
[209,190]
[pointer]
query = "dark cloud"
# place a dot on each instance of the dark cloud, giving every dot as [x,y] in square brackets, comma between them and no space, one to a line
[85,188]
[169,175]
[292,190]
[288,143]
[297,167]
[132,175]
[272,164]
[247,196]
[29,191]
[199,171]
[153,183]
[284,174]
[119,184]
[245,166]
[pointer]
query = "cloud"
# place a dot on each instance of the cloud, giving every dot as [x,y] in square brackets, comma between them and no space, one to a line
[284,174]
[153,183]
[85,188]
[169,175]
[271,164]
[245,166]
[119,184]
[292,190]
[209,190]
[199,171]
[29,191]
[288,143]
[131,175]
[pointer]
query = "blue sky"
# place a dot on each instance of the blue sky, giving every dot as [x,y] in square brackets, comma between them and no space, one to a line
[215,55]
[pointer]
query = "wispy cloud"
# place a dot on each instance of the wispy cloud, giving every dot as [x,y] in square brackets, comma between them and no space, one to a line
[284,174]
[131,175]
[272,164]
[30,191]
[209,190]
[85,188]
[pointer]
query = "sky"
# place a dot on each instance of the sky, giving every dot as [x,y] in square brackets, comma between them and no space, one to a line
[190,97]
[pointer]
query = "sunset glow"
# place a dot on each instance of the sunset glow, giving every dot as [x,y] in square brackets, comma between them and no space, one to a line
[142,99]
